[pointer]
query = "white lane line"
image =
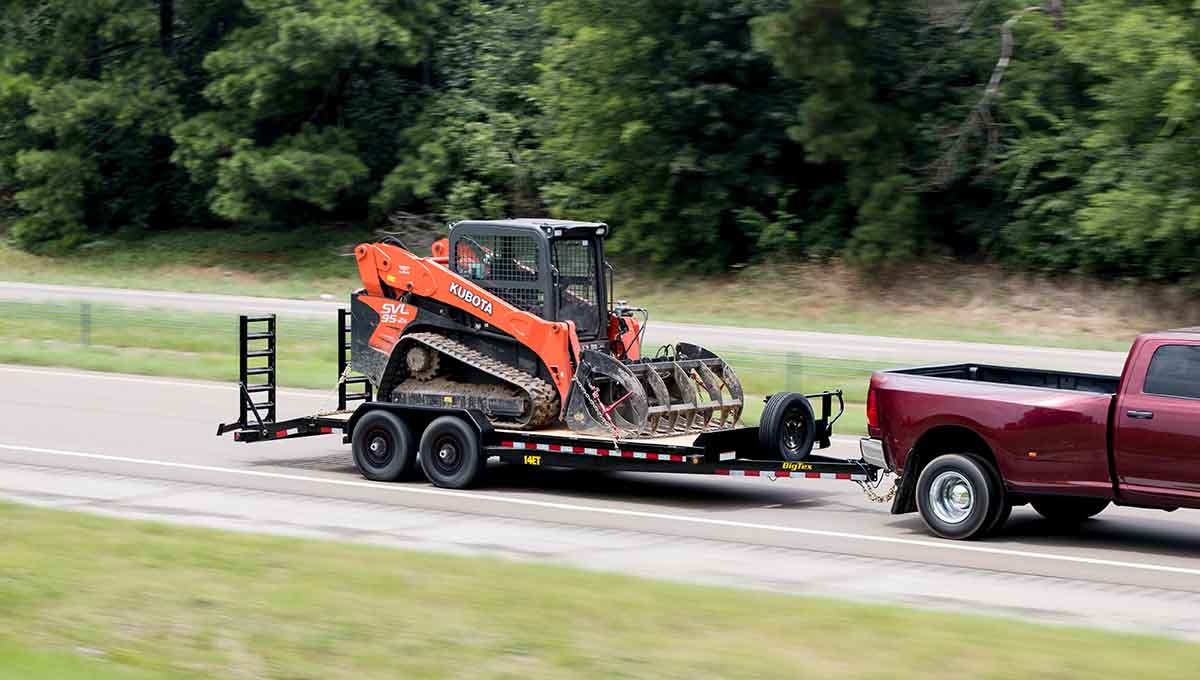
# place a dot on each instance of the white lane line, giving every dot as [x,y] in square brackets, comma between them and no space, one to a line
[474,496]
[166,382]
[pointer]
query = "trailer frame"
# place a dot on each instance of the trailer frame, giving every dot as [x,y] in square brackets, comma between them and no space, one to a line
[733,452]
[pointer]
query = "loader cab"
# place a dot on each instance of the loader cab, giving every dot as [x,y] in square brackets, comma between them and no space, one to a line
[551,268]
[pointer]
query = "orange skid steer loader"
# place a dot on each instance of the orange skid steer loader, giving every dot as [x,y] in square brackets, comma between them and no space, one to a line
[513,318]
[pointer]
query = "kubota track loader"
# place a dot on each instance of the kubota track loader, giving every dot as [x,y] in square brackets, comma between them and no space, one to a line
[513,318]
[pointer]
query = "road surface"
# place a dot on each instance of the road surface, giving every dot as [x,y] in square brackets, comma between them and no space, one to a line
[826,345]
[145,448]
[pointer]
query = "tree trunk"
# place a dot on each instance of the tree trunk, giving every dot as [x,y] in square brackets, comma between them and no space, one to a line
[166,26]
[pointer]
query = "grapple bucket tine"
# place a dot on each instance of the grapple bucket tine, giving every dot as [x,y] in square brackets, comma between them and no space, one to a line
[606,396]
[661,396]
[687,395]
[712,386]
[734,387]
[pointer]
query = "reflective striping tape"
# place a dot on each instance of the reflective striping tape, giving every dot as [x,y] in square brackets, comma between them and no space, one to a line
[588,451]
[784,473]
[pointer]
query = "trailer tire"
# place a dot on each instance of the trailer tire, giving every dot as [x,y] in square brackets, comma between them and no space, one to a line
[959,497]
[450,453]
[382,446]
[788,426]
[1069,512]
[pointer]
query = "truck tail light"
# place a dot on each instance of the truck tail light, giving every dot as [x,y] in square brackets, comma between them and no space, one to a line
[872,409]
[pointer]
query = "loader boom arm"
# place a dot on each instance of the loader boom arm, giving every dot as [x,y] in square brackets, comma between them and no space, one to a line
[388,271]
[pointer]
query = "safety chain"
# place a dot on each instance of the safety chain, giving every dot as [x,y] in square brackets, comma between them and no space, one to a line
[594,401]
[872,495]
[341,381]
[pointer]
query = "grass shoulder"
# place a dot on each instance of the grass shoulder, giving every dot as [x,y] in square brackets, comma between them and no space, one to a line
[85,597]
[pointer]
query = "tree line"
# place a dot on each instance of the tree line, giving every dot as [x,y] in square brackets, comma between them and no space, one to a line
[1062,136]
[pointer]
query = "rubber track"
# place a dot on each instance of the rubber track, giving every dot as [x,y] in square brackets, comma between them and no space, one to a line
[543,398]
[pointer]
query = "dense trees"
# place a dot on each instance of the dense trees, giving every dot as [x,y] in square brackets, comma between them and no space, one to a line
[1062,135]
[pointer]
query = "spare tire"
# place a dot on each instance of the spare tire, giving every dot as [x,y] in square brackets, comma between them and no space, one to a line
[788,427]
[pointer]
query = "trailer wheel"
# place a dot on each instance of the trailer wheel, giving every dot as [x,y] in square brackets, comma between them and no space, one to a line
[1069,512]
[450,453]
[958,496]
[383,447]
[788,426]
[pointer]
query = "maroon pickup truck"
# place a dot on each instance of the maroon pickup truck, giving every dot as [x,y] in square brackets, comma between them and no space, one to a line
[970,441]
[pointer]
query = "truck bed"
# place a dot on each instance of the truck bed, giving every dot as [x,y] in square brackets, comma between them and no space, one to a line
[1028,377]
[1048,430]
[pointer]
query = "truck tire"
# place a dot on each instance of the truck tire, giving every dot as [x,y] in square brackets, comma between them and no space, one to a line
[450,453]
[959,496]
[1069,511]
[383,447]
[1006,509]
[788,427]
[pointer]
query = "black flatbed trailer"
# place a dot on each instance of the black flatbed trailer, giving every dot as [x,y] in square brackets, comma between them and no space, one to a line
[455,443]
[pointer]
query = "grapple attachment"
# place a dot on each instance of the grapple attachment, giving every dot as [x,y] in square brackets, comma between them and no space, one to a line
[686,390]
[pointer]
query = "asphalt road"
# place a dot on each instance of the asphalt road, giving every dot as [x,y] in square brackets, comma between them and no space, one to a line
[826,345]
[145,447]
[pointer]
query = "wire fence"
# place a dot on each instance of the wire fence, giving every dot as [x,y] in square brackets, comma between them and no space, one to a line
[87,325]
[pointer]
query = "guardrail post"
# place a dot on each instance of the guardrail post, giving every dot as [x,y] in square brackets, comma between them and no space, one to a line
[794,373]
[85,323]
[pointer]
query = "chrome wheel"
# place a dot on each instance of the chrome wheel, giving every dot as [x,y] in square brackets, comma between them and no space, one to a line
[951,497]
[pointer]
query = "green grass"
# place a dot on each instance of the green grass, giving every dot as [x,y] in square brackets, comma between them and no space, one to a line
[302,264]
[87,597]
[204,346]
[961,304]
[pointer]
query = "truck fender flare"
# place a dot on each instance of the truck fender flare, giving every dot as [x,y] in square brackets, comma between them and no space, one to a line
[945,437]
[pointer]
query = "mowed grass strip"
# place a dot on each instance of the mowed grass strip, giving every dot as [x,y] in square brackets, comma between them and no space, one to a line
[90,597]
[204,346]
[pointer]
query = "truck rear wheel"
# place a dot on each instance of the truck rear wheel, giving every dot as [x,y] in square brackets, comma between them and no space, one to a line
[788,426]
[383,447]
[450,453]
[959,497]
[1069,511]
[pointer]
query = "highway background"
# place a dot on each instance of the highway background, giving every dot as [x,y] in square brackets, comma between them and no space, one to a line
[145,447]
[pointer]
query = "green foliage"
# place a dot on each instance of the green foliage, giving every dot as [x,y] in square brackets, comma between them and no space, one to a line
[471,152]
[708,132]
[669,122]
[88,102]
[53,196]
[275,148]
[1106,163]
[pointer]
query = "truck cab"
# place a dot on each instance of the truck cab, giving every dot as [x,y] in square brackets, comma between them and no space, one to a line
[1156,421]
[969,441]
